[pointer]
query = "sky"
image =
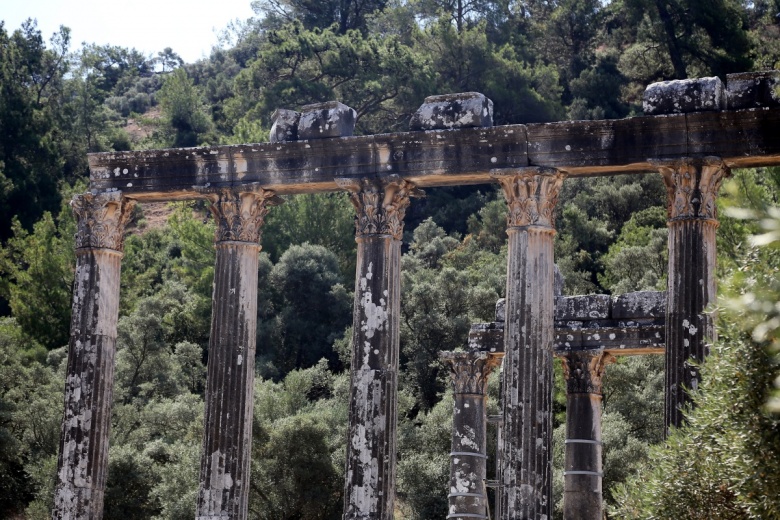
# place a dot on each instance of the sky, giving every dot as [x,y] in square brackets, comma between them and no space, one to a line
[189,27]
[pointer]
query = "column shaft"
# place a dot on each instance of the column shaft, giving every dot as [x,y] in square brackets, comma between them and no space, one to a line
[468,466]
[369,490]
[83,457]
[227,437]
[526,460]
[583,473]
[692,186]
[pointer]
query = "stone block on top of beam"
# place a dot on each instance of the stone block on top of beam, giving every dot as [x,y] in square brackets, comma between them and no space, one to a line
[448,111]
[753,89]
[326,120]
[684,95]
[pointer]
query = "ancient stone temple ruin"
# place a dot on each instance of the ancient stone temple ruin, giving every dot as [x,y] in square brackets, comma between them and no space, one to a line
[693,132]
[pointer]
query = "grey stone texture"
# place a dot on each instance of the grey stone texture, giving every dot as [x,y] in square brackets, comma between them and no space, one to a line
[692,186]
[683,96]
[82,465]
[323,120]
[639,305]
[626,324]
[369,487]
[583,473]
[227,437]
[285,125]
[526,452]
[744,138]
[463,110]
[592,307]
[753,89]
[468,457]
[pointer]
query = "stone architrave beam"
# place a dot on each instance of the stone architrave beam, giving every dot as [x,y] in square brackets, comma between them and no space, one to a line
[692,186]
[468,466]
[369,489]
[743,138]
[89,381]
[227,438]
[526,455]
[582,496]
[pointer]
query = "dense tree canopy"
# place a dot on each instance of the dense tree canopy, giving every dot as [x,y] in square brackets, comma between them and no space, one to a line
[538,61]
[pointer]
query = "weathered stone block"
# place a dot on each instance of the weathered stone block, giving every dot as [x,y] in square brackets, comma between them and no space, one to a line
[487,337]
[753,89]
[464,110]
[285,126]
[683,96]
[638,305]
[501,310]
[322,120]
[589,307]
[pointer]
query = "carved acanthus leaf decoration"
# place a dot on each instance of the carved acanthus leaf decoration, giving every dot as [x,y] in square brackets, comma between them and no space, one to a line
[583,371]
[470,370]
[239,212]
[380,204]
[692,186]
[101,219]
[531,194]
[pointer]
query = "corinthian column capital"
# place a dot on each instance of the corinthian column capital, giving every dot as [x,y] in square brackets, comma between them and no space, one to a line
[583,371]
[531,194]
[101,220]
[239,212]
[380,204]
[692,186]
[470,370]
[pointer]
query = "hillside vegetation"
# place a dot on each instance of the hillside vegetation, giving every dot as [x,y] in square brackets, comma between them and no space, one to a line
[538,61]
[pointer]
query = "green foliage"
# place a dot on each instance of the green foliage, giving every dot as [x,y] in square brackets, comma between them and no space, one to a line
[592,212]
[439,304]
[298,453]
[424,465]
[638,259]
[322,219]
[308,309]
[30,160]
[725,462]
[183,110]
[37,274]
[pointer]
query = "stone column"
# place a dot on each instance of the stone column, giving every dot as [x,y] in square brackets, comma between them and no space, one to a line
[526,455]
[369,489]
[582,498]
[468,467]
[692,186]
[227,436]
[83,459]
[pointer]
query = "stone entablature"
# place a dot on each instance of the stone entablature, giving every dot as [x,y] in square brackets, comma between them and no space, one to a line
[627,324]
[742,138]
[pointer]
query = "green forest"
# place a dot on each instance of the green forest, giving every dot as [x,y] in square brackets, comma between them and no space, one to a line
[537,60]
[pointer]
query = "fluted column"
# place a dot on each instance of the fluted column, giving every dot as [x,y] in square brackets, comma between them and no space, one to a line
[692,186]
[582,496]
[83,458]
[468,466]
[526,455]
[369,489]
[227,438]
